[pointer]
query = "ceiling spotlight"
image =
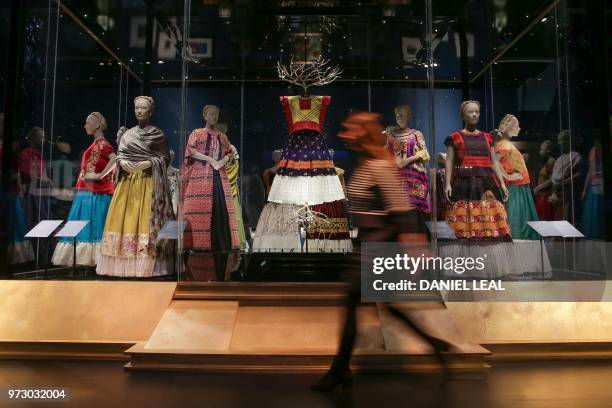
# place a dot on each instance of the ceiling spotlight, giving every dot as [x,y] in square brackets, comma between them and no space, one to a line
[148,62]
[545,19]
[160,62]
[101,63]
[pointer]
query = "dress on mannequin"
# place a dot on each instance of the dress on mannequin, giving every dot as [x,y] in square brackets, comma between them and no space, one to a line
[201,180]
[94,194]
[475,210]
[141,204]
[545,209]
[306,179]
[20,249]
[520,205]
[411,155]
[593,196]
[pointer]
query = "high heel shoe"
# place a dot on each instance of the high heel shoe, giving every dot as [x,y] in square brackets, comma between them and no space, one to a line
[332,379]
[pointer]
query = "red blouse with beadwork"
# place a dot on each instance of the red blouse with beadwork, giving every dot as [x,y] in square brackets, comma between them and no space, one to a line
[95,159]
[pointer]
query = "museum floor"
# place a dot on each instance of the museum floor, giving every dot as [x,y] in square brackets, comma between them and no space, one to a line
[105,384]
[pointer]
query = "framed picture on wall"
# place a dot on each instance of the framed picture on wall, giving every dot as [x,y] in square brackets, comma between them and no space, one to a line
[201,47]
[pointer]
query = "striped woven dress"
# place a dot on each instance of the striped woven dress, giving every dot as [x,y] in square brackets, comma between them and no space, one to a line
[406,143]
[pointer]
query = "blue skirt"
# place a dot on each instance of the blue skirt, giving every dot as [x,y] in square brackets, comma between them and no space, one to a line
[93,208]
[18,223]
[593,215]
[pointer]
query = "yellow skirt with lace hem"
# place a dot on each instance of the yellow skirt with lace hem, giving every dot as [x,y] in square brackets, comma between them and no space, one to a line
[125,249]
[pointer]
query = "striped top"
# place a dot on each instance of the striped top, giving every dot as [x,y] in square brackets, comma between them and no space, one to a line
[378,202]
[472,150]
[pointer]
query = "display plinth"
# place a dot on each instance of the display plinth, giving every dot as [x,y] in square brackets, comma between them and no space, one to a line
[313,362]
[289,326]
[253,335]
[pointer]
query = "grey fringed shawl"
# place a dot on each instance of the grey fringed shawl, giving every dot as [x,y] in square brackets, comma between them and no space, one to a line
[149,143]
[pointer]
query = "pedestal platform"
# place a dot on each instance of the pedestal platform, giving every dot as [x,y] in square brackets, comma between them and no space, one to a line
[291,327]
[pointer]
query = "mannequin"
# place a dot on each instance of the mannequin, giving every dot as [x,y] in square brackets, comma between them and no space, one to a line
[141,204]
[35,183]
[233,169]
[268,174]
[94,193]
[173,180]
[440,183]
[20,249]
[543,190]
[411,156]
[474,183]
[565,176]
[593,195]
[306,204]
[520,205]
[210,222]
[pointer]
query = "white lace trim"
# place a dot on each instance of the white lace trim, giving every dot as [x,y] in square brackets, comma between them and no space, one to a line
[86,253]
[303,189]
[142,267]
[291,243]
[20,252]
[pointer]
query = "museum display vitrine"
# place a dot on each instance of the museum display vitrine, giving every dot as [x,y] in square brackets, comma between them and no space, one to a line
[199,139]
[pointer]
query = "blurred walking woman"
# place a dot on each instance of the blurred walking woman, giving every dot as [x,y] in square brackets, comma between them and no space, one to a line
[380,209]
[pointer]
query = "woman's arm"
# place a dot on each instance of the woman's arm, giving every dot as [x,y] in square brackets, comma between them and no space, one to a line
[450,159]
[92,176]
[498,173]
[507,176]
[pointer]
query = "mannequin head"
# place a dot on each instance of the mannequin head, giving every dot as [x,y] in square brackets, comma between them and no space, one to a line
[563,140]
[546,149]
[35,137]
[95,124]
[441,159]
[144,106]
[470,113]
[276,155]
[509,126]
[403,115]
[211,115]
[63,148]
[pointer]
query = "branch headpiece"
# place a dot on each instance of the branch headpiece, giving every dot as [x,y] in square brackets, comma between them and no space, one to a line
[307,74]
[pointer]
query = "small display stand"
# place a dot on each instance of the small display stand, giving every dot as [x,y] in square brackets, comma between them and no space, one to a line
[554,229]
[443,230]
[70,230]
[43,229]
[171,231]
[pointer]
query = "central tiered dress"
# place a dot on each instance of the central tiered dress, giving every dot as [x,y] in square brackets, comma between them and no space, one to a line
[306,191]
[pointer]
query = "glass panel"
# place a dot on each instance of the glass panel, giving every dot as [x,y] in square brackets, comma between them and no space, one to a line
[536,61]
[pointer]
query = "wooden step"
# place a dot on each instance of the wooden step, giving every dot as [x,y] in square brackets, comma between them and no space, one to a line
[277,361]
[265,293]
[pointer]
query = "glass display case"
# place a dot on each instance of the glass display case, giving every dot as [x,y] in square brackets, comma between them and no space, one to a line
[133,115]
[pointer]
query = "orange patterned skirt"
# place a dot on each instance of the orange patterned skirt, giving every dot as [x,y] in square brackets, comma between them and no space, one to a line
[479,220]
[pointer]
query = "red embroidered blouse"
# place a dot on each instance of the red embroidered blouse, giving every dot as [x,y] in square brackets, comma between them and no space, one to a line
[95,159]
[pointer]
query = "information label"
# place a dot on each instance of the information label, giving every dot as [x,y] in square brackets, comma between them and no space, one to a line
[43,229]
[71,229]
